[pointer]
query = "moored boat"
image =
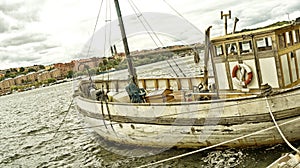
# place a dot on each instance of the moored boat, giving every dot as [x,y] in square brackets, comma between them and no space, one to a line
[287,160]
[256,76]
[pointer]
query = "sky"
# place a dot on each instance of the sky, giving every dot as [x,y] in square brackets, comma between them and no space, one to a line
[34,32]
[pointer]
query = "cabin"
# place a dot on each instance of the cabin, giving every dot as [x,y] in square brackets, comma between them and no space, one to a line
[246,60]
[245,63]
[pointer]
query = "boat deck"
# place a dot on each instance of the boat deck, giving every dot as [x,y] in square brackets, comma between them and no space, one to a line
[164,90]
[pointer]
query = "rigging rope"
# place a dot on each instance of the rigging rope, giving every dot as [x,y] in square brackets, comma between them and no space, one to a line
[94,30]
[249,101]
[216,145]
[104,44]
[62,122]
[109,37]
[107,19]
[181,16]
[69,107]
[138,15]
[184,20]
[92,39]
[279,130]
[172,68]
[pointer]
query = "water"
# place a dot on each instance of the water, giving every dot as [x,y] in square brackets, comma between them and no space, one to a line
[29,138]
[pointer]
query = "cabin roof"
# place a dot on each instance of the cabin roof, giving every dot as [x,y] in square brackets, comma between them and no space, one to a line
[263,30]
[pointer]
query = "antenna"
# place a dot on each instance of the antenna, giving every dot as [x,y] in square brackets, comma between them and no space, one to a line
[288,15]
[229,17]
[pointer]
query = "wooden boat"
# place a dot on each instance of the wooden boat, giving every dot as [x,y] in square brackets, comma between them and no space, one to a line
[256,73]
[287,160]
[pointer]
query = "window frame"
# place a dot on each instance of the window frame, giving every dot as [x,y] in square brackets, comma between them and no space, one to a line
[268,43]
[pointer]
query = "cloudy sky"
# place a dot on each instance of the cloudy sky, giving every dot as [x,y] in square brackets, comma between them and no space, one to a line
[50,31]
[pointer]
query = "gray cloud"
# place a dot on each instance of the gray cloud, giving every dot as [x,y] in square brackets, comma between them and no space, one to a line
[7,23]
[8,7]
[171,26]
[19,18]
[14,15]
[11,57]
[18,56]
[42,47]
[23,39]
[4,25]
[252,13]
[26,11]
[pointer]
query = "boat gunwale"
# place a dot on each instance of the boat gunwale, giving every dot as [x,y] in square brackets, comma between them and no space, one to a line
[245,98]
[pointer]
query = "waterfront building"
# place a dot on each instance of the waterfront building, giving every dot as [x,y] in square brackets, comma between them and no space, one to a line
[6,84]
[64,68]
[56,74]
[82,64]
[32,77]
[21,79]
[44,76]
[2,75]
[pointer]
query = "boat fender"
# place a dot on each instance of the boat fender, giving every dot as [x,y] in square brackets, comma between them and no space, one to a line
[243,68]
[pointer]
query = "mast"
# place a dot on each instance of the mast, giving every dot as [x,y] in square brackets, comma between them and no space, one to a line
[131,69]
[209,49]
[206,56]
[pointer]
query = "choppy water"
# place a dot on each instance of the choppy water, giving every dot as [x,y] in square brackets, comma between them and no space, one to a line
[29,138]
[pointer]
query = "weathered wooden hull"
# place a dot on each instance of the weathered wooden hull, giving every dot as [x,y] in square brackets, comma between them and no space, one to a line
[196,124]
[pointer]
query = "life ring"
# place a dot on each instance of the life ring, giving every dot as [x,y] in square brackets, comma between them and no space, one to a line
[243,68]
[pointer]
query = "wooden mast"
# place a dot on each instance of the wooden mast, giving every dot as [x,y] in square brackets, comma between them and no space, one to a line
[209,49]
[131,69]
[206,56]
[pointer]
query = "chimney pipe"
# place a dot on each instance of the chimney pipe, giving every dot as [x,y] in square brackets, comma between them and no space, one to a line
[112,50]
[115,49]
[235,22]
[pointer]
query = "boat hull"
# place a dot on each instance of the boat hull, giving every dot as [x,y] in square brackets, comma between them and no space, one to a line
[244,122]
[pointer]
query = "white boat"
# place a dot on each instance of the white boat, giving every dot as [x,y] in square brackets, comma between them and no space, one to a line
[288,160]
[256,75]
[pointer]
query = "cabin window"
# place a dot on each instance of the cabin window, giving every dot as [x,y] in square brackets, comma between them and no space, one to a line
[219,50]
[296,36]
[264,44]
[285,69]
[297,55]
[289,38]
[245,47]
[231,49]
[293,66]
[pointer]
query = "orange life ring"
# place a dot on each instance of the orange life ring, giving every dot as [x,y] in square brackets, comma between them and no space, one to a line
[238,81]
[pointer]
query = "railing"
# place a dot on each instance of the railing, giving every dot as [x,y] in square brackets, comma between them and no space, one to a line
[181,83]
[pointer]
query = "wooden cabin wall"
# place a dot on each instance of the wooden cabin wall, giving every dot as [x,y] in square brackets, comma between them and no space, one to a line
[288,44]
[279,68]
[261,59]
[223,76]
[267,60]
